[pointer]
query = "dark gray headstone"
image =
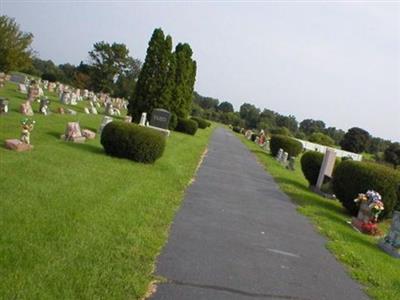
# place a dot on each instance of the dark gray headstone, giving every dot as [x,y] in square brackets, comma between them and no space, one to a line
[160,118]
[18,78]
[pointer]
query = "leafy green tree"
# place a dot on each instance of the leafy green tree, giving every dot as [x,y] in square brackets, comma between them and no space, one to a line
[126,82]
[250,114]
[392,154]
[322,139]
[336,134]
[206,103]
[15,50]
[108,62]
[153,87]
[289,122]
[355,140]
[225,107]
[309,126]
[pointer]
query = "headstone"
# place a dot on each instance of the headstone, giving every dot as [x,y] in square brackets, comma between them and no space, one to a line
[73,133]
[18,78]
[143,119]
[3,106]
[2,79]
[327,167]
[86,110]
[109,109]
[22,88]
[26,108]
[160,118]
[284,158]
[93,110]
[71,111]
[33,93]
[90,135]
[61,110]
[266,145]
[291,164]
[128,119]
[371,206]
[279,154]
[44,106]
[103,124]
[391,242]
[17,145]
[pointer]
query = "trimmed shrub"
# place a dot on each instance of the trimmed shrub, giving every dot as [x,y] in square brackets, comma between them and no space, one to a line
[173,121]
[289,145]
[280,131]
[127,140]
[322,139]
[352,177]
[186,126]
[200,122]
[236,129]
[311,162]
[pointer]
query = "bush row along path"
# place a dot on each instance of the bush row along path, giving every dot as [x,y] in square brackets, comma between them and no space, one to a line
[237,236]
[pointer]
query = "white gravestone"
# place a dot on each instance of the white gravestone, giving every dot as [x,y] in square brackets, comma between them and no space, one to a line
[279,154]
[327,167]
[104,122]
[143,119]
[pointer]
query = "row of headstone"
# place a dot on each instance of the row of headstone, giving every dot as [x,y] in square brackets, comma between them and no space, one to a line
[285,160]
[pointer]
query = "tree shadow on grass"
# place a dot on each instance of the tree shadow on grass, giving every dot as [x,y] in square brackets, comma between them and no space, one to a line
[302,195]
[86,147]
[55,134]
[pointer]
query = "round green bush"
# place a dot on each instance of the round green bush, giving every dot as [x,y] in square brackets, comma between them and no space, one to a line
[352,177]
[236,129]
[173,121]
[311,162]
[127,140]
[186,126]
[322,139]
[200,122]
[289,145]
[280,131]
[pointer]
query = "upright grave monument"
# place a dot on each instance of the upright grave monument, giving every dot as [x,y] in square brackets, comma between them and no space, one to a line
[391,242]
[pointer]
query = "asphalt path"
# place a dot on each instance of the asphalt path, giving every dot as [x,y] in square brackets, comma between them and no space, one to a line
[237,236]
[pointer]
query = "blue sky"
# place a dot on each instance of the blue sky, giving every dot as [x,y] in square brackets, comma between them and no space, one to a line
[334,61]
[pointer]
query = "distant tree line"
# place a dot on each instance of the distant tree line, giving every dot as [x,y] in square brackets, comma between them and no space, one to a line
[249,116]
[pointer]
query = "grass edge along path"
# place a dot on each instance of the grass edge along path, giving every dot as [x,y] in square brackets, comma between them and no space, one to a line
[378,272]
[76,223]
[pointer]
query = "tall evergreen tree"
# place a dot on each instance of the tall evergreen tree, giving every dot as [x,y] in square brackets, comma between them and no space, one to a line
[152,88]
[185,76]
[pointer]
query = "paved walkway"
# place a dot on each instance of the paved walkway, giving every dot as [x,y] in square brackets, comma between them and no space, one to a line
[237,236]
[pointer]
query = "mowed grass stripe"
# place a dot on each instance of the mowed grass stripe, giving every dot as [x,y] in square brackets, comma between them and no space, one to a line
[77,224]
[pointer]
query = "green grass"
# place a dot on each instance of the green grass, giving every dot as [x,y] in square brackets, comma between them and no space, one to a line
[377,271]
[77,224]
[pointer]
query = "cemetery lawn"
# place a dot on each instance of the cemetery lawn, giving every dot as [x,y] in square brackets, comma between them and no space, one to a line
[76,223]
[364,261]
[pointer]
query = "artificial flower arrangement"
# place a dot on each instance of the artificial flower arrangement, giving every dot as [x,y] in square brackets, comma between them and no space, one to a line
[371,206]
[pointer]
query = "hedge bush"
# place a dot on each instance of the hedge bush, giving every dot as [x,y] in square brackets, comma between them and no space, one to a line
[186,126]
[311,162]
[352,177]
[289,145]
[127,140]
[237,129]
[200,122]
